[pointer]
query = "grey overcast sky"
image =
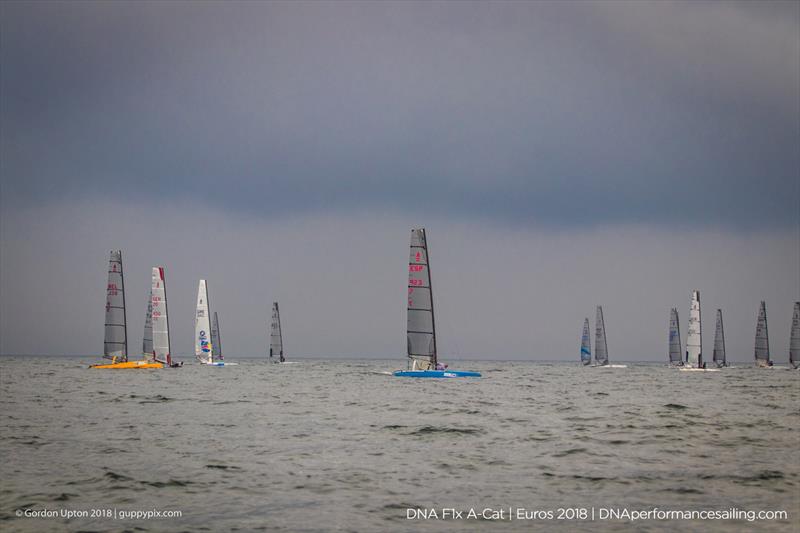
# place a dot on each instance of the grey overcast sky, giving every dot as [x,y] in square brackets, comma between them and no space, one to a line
[561,155]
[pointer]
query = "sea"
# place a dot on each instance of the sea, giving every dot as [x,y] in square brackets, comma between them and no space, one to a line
[333,445]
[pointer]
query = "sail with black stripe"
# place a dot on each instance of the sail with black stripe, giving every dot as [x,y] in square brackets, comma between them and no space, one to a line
[600,344]
[719,342]
[794,339]
[115,342]
[675,354]
[147,338]
[586,347]
[276,336]
[421,325]
[216,340]
[762,337]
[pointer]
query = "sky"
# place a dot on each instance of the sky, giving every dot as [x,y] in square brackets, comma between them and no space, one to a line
[561,156]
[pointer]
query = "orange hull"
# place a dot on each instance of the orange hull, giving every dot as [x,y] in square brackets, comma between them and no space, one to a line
[130,364]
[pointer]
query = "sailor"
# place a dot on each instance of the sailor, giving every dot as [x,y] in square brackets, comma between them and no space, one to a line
[440,366]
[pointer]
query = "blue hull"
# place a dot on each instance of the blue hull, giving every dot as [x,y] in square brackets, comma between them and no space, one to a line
[436,374]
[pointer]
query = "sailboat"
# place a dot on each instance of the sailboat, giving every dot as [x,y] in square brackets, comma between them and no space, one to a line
[600,343]
[762,338]
[586,348]
[147,338]
[719,343]
[794,339]
[675,354]
[203,344]
[216,340]
[276,336]
[115,344]
[694,339]
[421,326]
[162,353]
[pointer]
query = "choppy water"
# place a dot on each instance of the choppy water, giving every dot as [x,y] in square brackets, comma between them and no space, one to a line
[320,446]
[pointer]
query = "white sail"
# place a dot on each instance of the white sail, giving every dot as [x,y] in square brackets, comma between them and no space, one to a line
[421,326]
[794,339]
[160,317]
[719,342]
[675,353]
[202,326]
[147,338]
[115,342]
[600,344]
[276,336]
[762,337]
[694,338]
[586,347]
[216,340]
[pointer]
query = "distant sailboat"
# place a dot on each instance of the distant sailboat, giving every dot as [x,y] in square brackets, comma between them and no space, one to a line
[719,342]
[216,340]
[586,348]
[162,352]
[147,338]
[276,336]
[762,338]
[600,344]
[115,343]
[421,326]
[794,340]
[694,339]
[675,353]
[203,335]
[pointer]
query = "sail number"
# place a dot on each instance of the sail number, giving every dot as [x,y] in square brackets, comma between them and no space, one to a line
[112,289]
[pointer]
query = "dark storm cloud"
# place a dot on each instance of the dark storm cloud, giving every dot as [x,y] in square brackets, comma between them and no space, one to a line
[553,113]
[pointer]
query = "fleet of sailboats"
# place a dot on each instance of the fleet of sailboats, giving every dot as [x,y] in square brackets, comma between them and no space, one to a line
[421,349]
[115,342]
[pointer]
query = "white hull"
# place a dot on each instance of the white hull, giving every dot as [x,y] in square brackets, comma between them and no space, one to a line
[609,366]
[687,369]
[219,363]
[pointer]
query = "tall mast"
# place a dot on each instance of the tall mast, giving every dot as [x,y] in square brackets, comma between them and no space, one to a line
[166,311]
[124,316]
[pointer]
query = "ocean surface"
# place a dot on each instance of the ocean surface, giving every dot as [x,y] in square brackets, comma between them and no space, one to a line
[337,446]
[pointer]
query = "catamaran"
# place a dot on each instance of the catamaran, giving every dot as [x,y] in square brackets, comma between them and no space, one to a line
[115,344]
[694,339]
[762,338]
[675,354]
[147,338]
[203,345]
[600,343]
[719,343]
[276,336]
[162,353]
[794,339]
[216,340]
[421,326]
[586,347]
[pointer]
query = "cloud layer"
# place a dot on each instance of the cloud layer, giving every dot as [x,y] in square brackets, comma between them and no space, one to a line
[519,114]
